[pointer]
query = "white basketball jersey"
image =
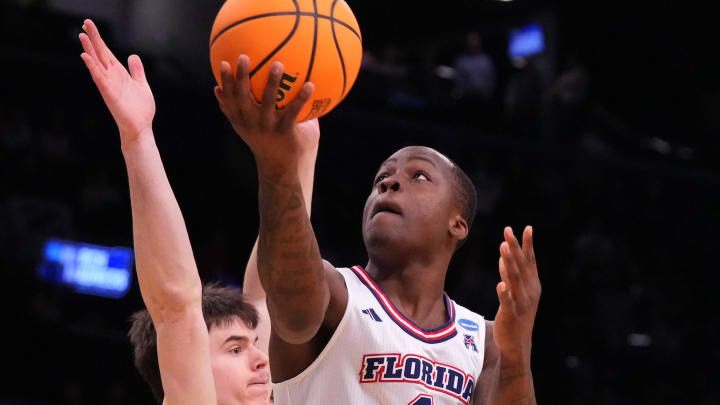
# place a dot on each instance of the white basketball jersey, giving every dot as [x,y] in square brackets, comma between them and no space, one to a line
[378,356]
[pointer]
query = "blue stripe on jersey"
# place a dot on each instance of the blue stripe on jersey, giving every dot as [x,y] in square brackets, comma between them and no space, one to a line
[422,336]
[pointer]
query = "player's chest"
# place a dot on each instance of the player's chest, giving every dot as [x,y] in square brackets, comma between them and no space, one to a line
[386,355]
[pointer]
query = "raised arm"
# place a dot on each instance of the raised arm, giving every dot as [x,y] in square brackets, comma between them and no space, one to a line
[309,133]
[299,290]
[167,274]
[506,377]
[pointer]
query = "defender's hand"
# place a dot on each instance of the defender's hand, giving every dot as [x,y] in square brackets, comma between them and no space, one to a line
[270,133]
[519,294]
[127,95]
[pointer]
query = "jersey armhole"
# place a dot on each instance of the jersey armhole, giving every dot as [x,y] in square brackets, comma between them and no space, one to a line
[340,328]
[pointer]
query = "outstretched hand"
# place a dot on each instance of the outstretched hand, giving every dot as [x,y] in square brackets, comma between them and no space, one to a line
[277,142]
[519,294]
[127,95]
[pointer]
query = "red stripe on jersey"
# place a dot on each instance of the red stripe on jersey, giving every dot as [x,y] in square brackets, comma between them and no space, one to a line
[432,335]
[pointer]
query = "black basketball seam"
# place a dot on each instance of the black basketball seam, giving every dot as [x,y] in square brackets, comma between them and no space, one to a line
[282,44]
[314,46]
[337,46]
[282,13]
[255,17]
[344,24]
[359,37]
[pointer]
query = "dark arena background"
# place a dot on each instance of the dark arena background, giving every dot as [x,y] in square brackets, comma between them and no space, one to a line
[596,122]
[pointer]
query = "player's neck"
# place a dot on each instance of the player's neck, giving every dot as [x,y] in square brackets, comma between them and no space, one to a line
[415,289]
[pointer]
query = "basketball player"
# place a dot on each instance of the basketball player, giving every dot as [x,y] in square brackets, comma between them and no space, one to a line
[193,345]
[385,333]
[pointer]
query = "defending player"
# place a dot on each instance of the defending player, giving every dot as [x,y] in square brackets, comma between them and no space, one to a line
[216,359]
[385,334]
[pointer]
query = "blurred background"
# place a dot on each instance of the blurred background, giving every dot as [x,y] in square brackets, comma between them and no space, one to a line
[597,122]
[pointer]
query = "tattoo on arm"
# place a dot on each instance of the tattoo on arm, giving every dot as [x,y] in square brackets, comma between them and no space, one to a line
[289,262]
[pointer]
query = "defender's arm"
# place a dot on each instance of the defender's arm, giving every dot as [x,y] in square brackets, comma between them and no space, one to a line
[167,275]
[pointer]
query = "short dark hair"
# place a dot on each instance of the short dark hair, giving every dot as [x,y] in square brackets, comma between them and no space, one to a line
[466,197]
[220,305]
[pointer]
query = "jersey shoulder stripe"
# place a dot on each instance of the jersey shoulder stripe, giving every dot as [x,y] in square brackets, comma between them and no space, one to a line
[436,335]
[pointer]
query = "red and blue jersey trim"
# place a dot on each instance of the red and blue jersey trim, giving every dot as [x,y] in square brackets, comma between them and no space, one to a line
[436,335]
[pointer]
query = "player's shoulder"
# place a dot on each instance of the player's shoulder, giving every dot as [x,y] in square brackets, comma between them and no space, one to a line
[333,274]
[468,314]
[471,323]
[345,275]
[339,295]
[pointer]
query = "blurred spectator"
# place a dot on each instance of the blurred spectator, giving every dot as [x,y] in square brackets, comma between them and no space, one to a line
[389,79]
[474,72]
[387,65]
[474,83]
[569,103]
[524,96]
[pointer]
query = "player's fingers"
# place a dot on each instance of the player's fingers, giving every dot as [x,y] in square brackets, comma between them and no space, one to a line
[101,50]
[502,270]
[527,246]
[87,46]
[269,96]
[512,241]
[503,293]
[293,109]
[510,264]
[228,83]
[518,254]
[504,274]
[247,102]
[96,72]
[218,91]
[242,78]
[137,71]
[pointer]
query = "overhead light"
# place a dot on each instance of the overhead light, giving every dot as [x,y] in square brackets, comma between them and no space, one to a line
[639,340]
[445,72]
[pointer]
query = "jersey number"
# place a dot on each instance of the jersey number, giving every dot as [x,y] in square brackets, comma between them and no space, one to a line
[422,399]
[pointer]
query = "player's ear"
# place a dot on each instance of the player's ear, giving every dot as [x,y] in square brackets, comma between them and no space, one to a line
[458,227]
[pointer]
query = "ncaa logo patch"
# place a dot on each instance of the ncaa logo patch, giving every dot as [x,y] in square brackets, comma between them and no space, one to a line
[468,324]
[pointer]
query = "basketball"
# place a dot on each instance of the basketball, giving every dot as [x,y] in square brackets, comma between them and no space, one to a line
[316,40]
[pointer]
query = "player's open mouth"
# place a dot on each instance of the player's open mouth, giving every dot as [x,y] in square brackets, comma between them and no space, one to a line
[388,207]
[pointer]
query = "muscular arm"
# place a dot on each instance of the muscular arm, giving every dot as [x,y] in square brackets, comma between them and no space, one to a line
[167,275]
[499,383]
[290,268]
[252,289]
[506,377]
[289,263]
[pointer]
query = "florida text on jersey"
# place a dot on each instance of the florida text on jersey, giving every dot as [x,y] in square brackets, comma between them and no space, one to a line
[379,356]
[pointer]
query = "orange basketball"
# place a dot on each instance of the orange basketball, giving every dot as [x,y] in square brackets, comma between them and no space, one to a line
[316,40]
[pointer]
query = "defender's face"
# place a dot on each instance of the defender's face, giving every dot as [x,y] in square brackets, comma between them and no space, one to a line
[411,202]
[240,368]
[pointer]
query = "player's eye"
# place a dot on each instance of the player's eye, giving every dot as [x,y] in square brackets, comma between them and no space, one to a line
[236,349]
[380,178]
[421,175]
